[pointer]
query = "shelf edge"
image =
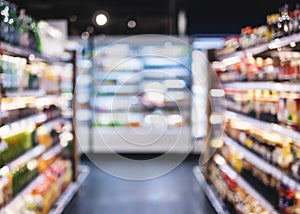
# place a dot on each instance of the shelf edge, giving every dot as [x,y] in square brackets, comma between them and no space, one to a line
[263,165]
[71,190]
[266,125]
[214,199]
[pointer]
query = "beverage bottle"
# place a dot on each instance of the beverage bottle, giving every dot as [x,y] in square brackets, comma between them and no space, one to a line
[13,25]
[34,38]
[4,31]
[285,21]
[296,19]
[24,40]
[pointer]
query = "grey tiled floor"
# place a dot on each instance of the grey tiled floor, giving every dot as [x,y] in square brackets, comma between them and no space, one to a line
[175,192]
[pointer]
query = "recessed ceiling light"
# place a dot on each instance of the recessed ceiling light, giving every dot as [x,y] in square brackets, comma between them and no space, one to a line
[85,35]
[131,24]
[90,29]
[100,18]
[73,18]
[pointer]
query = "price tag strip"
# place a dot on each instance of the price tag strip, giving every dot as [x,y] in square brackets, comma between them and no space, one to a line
[264,165]
[265,125]
[216,201]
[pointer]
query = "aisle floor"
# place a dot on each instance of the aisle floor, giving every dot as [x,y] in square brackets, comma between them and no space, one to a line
[176,192]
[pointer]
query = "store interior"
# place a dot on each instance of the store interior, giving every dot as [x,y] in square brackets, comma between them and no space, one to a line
[149,107]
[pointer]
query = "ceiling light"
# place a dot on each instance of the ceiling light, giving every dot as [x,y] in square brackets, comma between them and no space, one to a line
[131,24]
[101,19]
[73,18]
[85,35]
[90,29]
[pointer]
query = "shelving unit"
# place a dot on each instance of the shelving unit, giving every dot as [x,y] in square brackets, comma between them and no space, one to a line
[135,85]
[69,193]
[212,195]
[224,166]
[273,86]
[264,165]
[48,129]
[274,44]
[295,135]
[243,148]
[26,53]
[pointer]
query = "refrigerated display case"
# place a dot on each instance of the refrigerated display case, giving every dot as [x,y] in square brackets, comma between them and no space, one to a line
[141,93]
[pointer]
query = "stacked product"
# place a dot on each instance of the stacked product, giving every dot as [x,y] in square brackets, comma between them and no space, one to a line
[36,138]
[45,190]
[284,23]
[18,28]
[255,163]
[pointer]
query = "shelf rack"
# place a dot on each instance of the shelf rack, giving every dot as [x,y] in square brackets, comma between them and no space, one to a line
[120,74]
[274,44]
[270,48]
[215,200]
[225,167]
[273,86]
[63,200]
[79,172]
[26,52]
[29,155]
[295,135]
[66,197]
[263,165]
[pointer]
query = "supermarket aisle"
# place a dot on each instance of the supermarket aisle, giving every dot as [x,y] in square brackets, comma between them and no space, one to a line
[174,193]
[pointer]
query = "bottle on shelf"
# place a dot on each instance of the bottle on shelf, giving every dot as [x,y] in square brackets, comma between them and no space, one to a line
[23,29]
[296,19]
[6,192]
[18,28]
[9,22]
[284,23]
[272,22]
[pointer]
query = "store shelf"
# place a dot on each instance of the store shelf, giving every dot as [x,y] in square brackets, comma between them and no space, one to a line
[26,93]
[27,123]
[27,156]
[25,101]
[35,153]
[295,135]
[274,86]
[69,193]
[31,154]
[25,52]
[141,139]
[123,92]
[47,100]
[126,78]
[18,199]
[263,165]
[63,200]
[106,98]
[127,110]
[244,184]
[51,123]
[117,90]
[274,44]
[213,197]
[165,73]
[39,118]
[52,152]
[18,101]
